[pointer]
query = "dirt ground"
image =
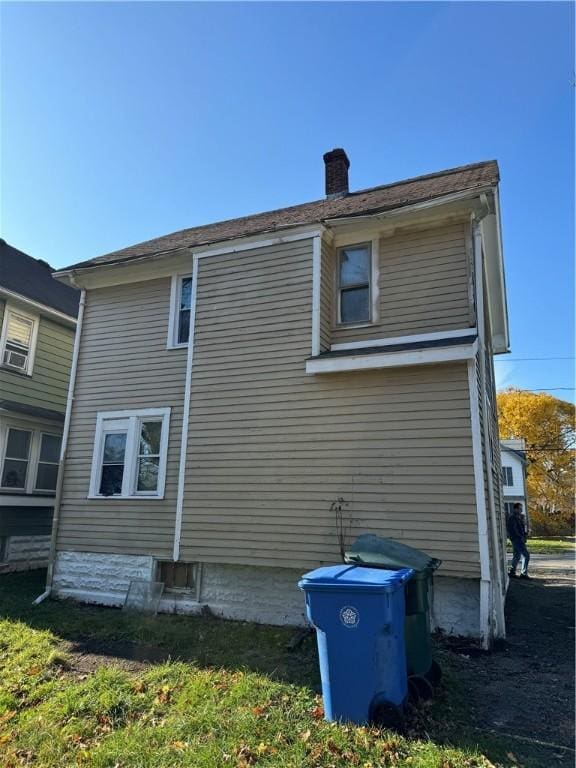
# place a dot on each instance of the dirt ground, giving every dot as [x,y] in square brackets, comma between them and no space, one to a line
[526,686]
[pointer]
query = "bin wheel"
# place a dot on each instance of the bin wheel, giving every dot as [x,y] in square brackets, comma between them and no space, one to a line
[434,674]
[384,714]
[422,686]
[413,692]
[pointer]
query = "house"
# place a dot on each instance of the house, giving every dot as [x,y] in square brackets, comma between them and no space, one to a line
[38,321]
[514,465]
[240,382]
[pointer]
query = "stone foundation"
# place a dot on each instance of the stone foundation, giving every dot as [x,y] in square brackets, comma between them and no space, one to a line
[23,553]
[246,593]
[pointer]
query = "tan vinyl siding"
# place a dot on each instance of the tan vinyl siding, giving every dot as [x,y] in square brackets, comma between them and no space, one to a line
[423,285]
[326,295]
[47,387]
[270,448]
[123,364]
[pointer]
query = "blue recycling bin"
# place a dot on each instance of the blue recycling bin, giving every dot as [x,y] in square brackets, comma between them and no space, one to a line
[358,614]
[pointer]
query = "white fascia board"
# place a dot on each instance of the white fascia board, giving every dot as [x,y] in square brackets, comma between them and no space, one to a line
[495,279]
[37,306]
[391,359]
[249,244]
[407,210]
[146,267]
[390,341]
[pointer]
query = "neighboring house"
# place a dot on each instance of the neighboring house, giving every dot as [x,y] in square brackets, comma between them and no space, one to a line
[514,464]
[236,380]
[38,321]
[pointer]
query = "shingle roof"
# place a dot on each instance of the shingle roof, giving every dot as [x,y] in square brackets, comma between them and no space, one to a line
[366,201]
[32,278]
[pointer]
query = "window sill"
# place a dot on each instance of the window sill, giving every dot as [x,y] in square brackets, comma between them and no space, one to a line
[7,368]
[177,346]
[346,326]
[100,497]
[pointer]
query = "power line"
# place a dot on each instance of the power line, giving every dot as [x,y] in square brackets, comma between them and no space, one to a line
[541,389]
[522,359]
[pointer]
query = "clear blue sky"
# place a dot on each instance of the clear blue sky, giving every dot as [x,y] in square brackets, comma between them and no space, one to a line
[124,121]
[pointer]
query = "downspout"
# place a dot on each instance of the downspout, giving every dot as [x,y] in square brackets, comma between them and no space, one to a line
[185,414]
[497,598]
[63,452]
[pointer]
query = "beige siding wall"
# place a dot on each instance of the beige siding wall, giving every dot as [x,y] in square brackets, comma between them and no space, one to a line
[123,364]
[271,449]
[424,285]
[48,386]
[326,295]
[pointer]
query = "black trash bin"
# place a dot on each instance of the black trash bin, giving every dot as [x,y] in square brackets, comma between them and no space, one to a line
[377,552]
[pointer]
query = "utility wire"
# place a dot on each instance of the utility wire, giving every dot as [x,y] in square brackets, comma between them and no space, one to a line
[541,389]
[521,359]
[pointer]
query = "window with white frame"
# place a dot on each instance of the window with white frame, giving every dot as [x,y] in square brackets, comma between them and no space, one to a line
[354,284]
[29,459]
[507,476]
[16,459]
[18,340]
[180,308]
[130,450]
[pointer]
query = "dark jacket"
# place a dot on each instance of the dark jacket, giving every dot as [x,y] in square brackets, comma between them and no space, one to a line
[516,527]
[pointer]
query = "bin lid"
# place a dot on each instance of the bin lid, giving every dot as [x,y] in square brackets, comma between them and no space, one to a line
[354,578]
[370,550]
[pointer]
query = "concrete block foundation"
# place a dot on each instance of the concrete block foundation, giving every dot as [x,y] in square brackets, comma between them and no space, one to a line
[247,593]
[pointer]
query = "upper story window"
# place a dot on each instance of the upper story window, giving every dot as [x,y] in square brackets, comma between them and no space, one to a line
[180,306]
[130,453]
[29,460]
[354,284]
[507,476]
[18,340]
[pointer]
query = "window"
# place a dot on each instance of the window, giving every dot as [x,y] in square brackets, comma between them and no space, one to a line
[354,290]
[48,461]
[18,340]
[180,309]
[16,459]
[130,454]
[29,459]
[507,477]
[175,575]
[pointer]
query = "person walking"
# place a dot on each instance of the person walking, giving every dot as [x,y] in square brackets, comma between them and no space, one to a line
[518,534]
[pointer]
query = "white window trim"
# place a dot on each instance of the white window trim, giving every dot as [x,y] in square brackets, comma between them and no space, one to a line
[33,457]
[507,473]
[175,290]
[134,418]
[8,310]
[373,285]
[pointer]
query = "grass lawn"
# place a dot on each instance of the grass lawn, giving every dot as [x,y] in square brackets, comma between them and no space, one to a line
[233,695]
[549,546]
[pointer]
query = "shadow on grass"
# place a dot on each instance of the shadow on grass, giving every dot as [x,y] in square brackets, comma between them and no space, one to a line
[99,636]
[202,640]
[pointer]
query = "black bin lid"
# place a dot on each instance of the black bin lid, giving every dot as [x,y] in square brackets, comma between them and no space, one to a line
[376,551]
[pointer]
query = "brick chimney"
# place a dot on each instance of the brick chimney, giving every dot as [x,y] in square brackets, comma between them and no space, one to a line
[337,164]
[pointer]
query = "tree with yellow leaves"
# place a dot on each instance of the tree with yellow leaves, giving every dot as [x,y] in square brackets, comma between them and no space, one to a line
[547,425]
